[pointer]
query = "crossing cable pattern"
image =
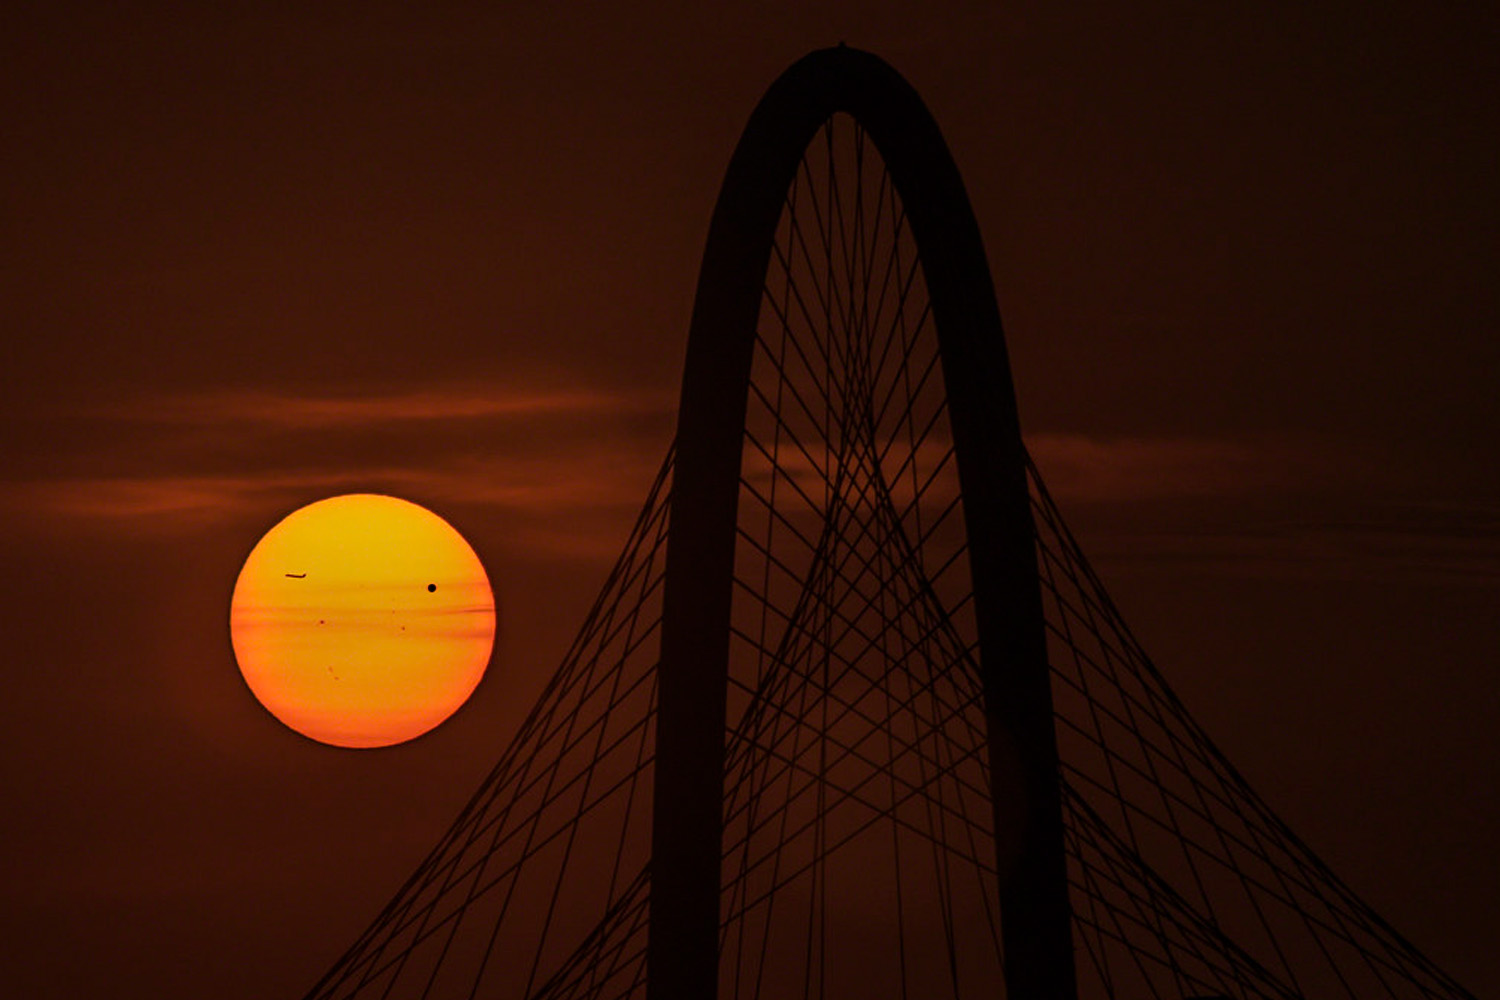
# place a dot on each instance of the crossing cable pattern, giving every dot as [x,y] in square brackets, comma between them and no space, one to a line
[859,843]
[540,887]
[859,752]
[1184,881]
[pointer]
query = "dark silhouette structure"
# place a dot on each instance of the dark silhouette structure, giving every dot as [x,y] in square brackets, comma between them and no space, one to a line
[852,714]
[991,463]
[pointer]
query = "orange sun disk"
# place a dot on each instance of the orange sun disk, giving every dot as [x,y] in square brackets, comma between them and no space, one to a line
[362,620]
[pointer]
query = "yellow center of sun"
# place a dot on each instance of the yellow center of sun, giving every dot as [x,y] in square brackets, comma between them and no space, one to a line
[362,620]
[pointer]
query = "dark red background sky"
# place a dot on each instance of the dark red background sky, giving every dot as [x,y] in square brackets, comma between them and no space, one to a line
[257,254]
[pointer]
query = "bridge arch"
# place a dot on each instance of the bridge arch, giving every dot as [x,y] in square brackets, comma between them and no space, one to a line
[688,807]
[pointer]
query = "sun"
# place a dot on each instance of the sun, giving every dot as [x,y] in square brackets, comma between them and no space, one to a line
[362,620]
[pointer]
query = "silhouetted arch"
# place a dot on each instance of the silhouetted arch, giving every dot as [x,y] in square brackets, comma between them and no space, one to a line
[687,832]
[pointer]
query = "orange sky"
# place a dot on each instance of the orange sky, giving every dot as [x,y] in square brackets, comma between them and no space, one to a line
[257,255]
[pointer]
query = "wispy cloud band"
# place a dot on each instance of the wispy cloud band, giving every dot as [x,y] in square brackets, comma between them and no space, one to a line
[564,468]
[315,412]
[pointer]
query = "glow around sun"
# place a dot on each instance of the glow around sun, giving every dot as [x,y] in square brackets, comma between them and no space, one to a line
[362,620]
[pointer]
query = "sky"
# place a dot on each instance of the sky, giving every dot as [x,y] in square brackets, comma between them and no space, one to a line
[260,254]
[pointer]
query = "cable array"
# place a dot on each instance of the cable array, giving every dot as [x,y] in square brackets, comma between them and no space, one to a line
[540,886]
[1185,882]
[859,842]
[859,833]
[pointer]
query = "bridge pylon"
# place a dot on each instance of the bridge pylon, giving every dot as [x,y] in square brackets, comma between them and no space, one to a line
[876,182]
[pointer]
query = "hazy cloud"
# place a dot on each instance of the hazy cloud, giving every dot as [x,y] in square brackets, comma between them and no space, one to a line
[516,456]
[566,469]
[179,464]
[313,412]
[535,485]
[1087,469]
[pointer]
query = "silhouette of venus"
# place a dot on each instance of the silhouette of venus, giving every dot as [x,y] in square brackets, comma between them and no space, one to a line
[362,620]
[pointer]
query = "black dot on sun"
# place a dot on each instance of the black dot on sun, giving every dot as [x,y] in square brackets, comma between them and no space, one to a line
[431,587]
